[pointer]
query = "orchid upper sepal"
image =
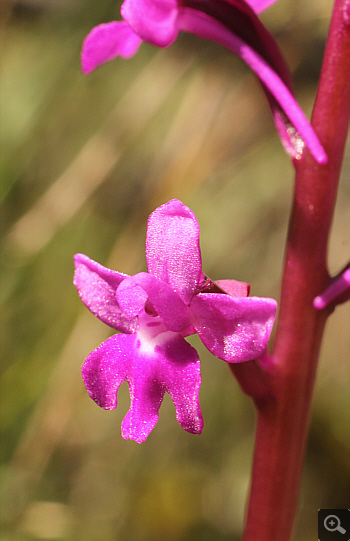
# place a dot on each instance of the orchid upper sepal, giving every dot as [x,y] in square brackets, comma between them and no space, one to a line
[231,23]
[155,311]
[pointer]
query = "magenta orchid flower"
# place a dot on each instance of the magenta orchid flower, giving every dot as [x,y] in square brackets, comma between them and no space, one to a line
[231,23]
[337,292]
[155,311]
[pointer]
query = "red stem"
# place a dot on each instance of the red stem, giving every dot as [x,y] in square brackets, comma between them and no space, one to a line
[282,422]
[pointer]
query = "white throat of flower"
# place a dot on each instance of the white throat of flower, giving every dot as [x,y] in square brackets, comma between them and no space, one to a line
[151,332]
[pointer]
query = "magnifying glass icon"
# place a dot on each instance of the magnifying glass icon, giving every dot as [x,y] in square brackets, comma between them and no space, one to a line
[332,524]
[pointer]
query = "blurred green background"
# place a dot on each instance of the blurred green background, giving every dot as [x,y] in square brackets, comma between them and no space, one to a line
[84,160]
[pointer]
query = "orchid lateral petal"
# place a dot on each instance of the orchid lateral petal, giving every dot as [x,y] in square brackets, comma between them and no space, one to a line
[105,369]
[337,292]
[131,297]
[155,21]
[107,41]
[172,248]
[280,97]
[233,329]
[260,5]
[97,287]
[167,303]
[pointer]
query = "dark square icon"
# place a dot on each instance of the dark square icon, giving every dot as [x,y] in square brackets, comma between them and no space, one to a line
[334,525]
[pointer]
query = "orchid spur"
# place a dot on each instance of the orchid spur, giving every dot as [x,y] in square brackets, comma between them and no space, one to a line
[233,24]
[154,312]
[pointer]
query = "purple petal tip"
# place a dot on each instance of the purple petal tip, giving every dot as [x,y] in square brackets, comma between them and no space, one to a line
[337,292]
[107,41]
